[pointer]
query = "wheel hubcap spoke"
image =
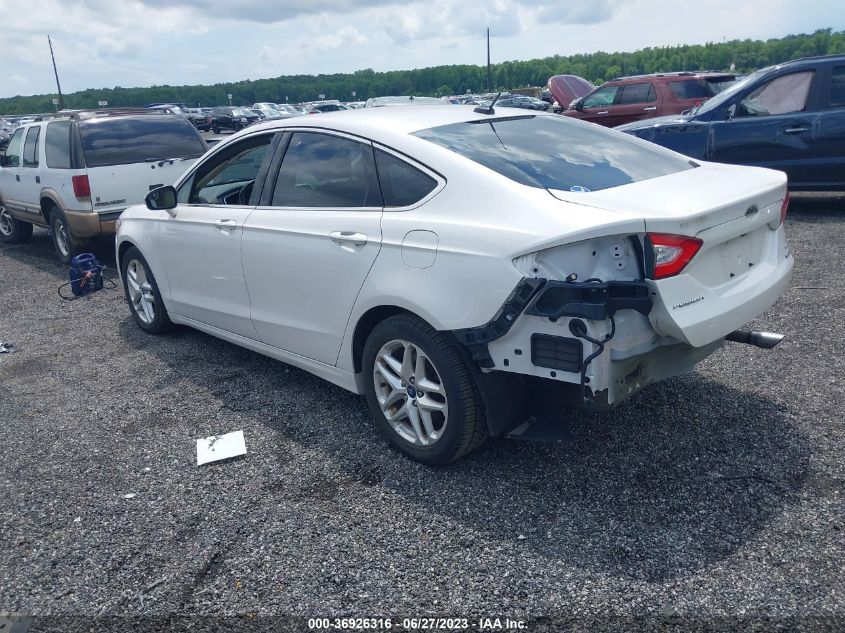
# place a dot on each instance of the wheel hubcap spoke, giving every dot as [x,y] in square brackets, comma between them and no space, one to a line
[5,221]
[140,292]
[410,392]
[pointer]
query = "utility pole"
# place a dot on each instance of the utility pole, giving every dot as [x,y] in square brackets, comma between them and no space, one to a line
[489,88]
[56,72]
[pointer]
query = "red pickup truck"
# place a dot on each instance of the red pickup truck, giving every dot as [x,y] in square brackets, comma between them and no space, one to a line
[630,99]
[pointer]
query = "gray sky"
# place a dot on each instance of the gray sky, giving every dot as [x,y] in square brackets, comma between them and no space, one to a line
[106,43]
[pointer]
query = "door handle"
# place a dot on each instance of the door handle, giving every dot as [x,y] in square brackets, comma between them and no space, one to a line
[226,225]
[795,130]
[18,177]
[602,112]
[345,238]
[650,109]
[38,179]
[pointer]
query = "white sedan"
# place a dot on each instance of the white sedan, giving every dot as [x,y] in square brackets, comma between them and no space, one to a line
[466,271]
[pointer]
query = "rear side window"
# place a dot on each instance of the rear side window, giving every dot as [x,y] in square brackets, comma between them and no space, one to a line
[637,93]
[691,89]
[555,152]
[401,184]
[325,171]
[837,87]
[138,139]
[57,145]
[30,147]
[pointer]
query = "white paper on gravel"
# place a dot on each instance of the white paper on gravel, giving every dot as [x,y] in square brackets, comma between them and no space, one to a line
[218,447]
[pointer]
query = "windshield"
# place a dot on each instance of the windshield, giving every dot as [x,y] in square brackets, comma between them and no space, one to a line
[555,152]
[242,112]
[135,139]
[728,93]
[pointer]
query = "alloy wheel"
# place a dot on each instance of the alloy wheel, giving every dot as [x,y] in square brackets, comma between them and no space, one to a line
[62,238]
[140,291]
[6,221]
[410,392]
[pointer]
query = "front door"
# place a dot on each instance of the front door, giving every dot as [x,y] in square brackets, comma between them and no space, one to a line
[829,143]
[309,246]
[595,107]
[772,126]
[201,245]
[10,174]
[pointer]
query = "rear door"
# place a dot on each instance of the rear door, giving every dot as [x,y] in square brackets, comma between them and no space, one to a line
[308,247]
[633,102]
[829,142]
[200,246]
[30,172]
[128,156]
[772,126]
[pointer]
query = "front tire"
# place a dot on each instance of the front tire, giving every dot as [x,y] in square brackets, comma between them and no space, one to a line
[421,392]
[12,230]
[142,293]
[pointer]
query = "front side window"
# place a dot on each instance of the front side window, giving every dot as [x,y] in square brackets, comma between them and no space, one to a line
[30,147]
[601,98]
[637,93]
[401,184]
[57,145]
[781,95]
[228,177]
[324,171]
[555,152]
[837,87]
[13,150]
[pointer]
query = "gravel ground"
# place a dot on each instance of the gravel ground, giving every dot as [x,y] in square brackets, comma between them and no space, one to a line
[705,498]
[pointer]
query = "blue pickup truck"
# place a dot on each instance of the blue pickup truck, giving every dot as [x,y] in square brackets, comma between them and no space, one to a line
[789,117]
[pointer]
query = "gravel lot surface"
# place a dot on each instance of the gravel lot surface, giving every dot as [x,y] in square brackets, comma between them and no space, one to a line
[704,498]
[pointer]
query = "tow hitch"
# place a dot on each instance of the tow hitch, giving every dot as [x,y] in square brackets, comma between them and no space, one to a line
[764,340]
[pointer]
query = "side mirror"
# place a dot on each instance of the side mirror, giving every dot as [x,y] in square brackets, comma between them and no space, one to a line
[161,199]
[730,112]
[578,105]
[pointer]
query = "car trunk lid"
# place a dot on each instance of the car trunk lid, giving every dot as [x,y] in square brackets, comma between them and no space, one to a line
[741,266]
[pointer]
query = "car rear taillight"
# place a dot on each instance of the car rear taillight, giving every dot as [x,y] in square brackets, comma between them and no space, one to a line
[784,207]
[670,253]
[81,186]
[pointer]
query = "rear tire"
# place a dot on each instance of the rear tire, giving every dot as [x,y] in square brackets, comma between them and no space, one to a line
[142,293]
[215,128]
[12,230]
[434,407]
[67,246]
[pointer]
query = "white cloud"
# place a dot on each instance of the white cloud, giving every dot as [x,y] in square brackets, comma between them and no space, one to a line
[102,43]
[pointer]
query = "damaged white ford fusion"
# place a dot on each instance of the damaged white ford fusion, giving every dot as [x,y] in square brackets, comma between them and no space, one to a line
[468,271]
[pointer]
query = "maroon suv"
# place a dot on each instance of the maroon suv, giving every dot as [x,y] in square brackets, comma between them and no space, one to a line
[630,99]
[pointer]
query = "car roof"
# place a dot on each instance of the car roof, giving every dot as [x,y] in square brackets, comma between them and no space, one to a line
[375,121]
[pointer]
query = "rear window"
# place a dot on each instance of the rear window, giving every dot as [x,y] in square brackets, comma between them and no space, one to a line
[554,152]
[136,139]
[691,89]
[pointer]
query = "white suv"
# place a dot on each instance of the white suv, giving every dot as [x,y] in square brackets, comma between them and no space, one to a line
[76,172]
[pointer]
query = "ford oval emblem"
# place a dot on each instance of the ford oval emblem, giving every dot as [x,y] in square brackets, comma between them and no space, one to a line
[579,189]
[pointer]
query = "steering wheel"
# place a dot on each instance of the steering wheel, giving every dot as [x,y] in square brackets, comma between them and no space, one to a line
[246,193]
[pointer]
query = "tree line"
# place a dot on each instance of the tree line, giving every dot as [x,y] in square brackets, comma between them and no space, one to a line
[743,55]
